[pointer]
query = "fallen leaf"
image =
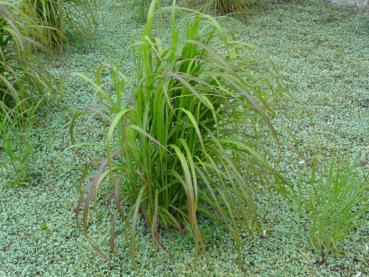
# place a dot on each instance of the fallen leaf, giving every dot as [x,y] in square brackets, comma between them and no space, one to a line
[53,188]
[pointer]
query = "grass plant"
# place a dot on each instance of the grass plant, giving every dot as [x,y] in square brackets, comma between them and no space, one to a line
[224,6]
[173,152]
[324,70]
[332,205]
[23,77]
[231,6]
[16,145]
[62,18]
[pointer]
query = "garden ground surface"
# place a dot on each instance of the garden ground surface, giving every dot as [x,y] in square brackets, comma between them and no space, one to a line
[322,53]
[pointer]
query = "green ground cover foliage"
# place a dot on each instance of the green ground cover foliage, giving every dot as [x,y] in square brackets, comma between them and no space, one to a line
[322,54]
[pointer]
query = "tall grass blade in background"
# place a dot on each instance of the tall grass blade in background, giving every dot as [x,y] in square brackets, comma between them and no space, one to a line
[331,204]
[230,6]
[23,78]
[173,148]
[141,7]
[224,6]
[24,83]
[62,18]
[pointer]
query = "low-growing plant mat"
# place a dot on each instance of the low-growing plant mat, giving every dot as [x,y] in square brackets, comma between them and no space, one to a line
[322,53]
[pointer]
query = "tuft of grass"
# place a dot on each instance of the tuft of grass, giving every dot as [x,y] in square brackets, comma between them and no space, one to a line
[332,205]
[231,6]
[16,145]
[225,6]
[141,9]
[24,83]
[61,18]
[24,80]
[173,152]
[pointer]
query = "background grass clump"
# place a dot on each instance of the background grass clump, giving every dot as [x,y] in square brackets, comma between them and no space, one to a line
[24,84]
[62,19]
[225,6]
[27,29]
[24,78]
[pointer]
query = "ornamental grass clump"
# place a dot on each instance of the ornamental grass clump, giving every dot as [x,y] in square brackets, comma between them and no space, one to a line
[61,18]
[173,150]
[24,80]
[231,6]
[225,6]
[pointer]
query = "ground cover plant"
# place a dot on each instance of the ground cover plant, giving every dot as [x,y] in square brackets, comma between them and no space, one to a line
[177,158]
[310,43]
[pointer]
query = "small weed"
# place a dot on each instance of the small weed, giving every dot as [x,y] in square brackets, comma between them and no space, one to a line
[332,205]
[16,145]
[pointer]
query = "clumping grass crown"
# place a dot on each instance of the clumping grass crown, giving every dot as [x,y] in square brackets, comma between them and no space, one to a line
[172,152]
